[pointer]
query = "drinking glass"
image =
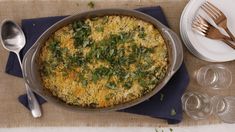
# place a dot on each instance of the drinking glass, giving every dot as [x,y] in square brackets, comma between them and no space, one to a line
[197,106]
[224,108]
[215,76]
[201,106]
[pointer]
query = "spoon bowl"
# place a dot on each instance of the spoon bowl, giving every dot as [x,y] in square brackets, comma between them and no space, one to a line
[12,36]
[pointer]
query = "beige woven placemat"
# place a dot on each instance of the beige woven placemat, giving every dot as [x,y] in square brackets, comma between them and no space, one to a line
[13,114]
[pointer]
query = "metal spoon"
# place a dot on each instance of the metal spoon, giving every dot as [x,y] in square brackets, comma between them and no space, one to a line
[13,39]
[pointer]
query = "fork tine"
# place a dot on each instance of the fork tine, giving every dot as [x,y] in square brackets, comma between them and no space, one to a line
[199,26]
[203,21]
[198,31]
[208,12]
[212,9]
[215,8]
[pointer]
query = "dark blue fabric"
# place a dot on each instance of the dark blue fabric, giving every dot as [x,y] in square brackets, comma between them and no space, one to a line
[166,104]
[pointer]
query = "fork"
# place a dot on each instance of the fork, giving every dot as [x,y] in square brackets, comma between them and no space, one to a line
[217,16]
[204,28]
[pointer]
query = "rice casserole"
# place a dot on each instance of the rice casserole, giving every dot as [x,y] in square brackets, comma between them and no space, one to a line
[103,61]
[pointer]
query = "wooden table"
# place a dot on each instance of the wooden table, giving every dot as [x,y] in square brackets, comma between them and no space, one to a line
[13,114]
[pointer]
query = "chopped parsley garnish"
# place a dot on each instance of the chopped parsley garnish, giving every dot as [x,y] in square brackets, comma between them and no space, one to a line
[82,31]
[173,112]
[161,97]
[127,85]
[55,49]
[91,4]
[99,29]
[109,96]
[142,33]
[111,85]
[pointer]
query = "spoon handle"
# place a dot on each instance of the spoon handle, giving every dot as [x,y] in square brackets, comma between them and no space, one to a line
[32,101]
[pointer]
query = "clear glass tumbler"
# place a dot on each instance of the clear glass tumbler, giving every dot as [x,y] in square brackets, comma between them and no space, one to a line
[224,108]
[197,106]
[214,76]
[201,106]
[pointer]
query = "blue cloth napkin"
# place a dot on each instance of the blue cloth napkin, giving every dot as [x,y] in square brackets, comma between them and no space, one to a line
[166,104]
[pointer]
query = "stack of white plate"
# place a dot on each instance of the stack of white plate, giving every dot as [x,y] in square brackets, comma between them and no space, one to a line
[202,47]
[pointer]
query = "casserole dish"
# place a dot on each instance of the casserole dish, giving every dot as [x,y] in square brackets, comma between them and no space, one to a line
[32,76]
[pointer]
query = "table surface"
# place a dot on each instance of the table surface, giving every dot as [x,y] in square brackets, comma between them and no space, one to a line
[13,114]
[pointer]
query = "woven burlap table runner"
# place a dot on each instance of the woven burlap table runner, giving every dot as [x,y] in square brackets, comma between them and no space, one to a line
[13,114]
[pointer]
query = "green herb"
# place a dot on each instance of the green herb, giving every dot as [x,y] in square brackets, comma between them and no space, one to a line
[55,49]
[45,70]
[161,97]
[65,74]
[75,60]
[173,112]
[105,19]
[109,96]
[99,29]
[142,33]
[127,85]
[82,31]
[111,85]
[95,78]
[91,4]
[102,72]
[171,129]
[84,83]
[87,42]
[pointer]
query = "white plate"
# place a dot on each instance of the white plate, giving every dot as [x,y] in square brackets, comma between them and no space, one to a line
[204,48]
[184,35]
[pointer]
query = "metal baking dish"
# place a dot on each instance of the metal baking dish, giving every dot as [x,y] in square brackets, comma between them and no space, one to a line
[32,76]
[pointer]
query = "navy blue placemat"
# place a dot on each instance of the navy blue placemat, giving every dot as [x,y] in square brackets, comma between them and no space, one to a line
[166,104]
